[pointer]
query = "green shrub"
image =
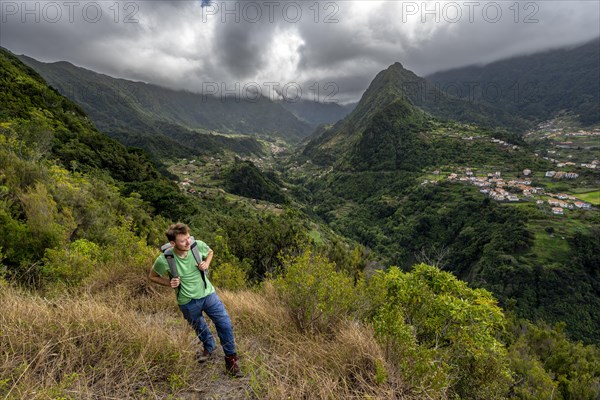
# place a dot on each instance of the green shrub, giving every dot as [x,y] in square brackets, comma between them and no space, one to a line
[317,295]
[548,365]
[533,381]
[71,264]
[229,276]
[439,331]
[47,226]
[125,249]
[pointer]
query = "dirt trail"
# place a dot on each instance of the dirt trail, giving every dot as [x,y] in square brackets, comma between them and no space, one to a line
[211,382]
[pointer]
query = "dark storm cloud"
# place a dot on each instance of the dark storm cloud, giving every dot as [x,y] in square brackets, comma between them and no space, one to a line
[183,45]
[553,25]
[240,47]
[427,40]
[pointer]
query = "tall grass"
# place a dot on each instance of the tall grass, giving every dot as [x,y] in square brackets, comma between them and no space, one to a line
[283,363]
[82,348]
[119,337]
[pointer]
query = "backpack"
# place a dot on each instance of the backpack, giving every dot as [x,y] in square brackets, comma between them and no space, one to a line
[167,250]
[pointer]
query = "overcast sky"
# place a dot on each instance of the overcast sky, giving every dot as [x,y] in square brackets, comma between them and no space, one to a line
[333,48]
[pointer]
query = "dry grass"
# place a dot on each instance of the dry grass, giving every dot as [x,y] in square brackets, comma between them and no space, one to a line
[284,364]
[82,348]
[121,338]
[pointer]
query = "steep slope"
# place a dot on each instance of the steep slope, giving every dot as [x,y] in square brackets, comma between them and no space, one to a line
[393,85]
[536,86]
[60,181]
[118,105]
[58,127]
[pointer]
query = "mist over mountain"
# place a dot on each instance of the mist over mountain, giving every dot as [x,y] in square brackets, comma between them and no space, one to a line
[316,113]
[534,87]
[169,122]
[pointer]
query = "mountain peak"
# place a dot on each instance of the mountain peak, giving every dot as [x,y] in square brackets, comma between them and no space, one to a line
[386,96]
[395,78]
[398,92]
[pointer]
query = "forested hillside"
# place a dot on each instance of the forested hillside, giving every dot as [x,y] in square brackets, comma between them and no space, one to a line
[394,186]
[168,123]
[535,87]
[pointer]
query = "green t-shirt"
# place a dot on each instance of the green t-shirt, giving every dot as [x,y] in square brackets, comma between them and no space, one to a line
[191,285]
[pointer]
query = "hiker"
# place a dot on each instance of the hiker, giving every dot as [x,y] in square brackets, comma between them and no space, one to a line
[195,293]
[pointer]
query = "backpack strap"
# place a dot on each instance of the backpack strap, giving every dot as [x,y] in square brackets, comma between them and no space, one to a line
[168,253]
[172,262]
[198,258]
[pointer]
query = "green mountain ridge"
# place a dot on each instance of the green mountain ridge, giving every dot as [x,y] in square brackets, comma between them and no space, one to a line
[534,87]
[191,110]
[396,84]
[75,141]
[166,122]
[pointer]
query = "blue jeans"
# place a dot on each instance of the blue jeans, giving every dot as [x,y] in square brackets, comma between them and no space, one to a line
[214,308]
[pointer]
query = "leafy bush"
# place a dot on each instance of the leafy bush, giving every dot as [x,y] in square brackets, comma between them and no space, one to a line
[136,255]
[261,239]
[72,263]
[548,365]
[229,276]
[533,381]
[442,334]
[48,227]
[317,295]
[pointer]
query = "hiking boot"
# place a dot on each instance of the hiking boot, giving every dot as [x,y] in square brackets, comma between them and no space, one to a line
[232,367]
[203,356]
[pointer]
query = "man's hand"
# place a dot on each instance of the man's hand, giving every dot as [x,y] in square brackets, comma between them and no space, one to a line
[203,266]
[164,281]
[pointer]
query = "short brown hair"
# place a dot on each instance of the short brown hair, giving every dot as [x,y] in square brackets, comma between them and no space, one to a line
[177,229]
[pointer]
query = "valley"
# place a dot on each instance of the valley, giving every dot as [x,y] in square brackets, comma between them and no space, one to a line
[427,230]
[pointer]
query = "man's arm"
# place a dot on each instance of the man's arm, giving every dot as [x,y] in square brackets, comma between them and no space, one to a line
[206,263]
[156,278]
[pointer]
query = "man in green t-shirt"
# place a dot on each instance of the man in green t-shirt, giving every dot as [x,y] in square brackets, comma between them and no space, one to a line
[195,294]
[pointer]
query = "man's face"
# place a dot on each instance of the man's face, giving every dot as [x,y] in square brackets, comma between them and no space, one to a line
[182,242]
